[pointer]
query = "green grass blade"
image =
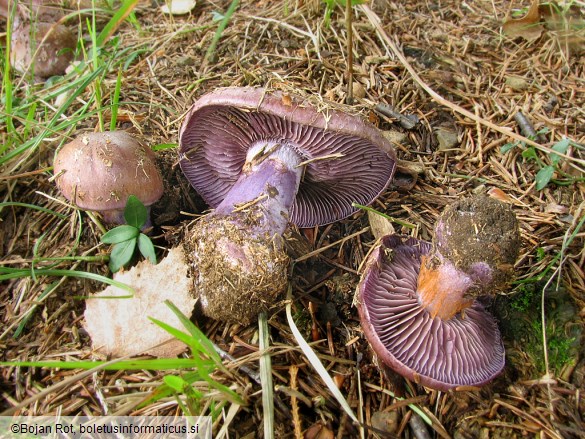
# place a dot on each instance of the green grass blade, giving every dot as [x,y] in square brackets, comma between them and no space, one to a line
[32,206]
[123,11]
[6,80]
[116,101]
[15,273]
[220,28]
[51,127]
[206,345]
[177,333]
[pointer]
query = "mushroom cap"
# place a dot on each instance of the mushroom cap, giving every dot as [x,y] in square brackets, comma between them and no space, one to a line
[48,11]
[49,56]
[222,125]
[99,171]
[465,350]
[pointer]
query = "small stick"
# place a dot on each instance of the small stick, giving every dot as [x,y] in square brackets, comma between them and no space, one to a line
[407,122]
[298,429]
[348,18]
[525,126]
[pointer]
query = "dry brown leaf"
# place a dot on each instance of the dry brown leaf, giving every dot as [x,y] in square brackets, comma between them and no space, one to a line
[528,27]
[500,195]
[379,225]
[319,431]
[121,327]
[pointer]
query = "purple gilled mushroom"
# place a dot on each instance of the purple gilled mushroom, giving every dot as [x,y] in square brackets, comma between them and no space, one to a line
[417,301]
[263,160]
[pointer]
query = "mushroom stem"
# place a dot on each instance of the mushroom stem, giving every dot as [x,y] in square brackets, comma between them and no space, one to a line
[267,186]
[441,289]
[237,250]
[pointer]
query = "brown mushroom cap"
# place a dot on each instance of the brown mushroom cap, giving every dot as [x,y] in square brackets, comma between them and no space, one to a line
[345,159]
[47,49]
[99,171]
[465,350]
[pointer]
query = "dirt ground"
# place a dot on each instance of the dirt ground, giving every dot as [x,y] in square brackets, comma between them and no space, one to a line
[455,83]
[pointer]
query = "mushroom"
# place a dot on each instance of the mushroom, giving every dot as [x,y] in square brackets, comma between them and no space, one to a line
[47,49]
[99,171]
[262,160]
[39,41]
[418,302]
[48,11]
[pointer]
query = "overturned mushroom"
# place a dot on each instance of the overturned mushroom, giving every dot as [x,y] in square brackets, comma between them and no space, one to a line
[417,301]
[99,171]
[262,160]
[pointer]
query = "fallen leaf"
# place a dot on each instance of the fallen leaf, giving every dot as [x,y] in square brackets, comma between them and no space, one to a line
[121,326]
[528,27]
[500,195]
[318,431]
[379,225]
[447,139]
[517,83]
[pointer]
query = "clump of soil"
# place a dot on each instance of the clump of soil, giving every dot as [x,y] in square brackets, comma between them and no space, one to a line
[476,232]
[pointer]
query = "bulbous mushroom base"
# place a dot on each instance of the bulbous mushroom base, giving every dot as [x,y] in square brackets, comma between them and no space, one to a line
[236,276]
[480,237]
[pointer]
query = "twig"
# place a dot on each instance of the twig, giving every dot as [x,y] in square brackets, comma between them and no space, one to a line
[406,122]
[348,19]
[525,126]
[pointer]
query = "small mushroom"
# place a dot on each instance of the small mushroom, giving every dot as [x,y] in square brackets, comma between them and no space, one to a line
[263,160]
[40,43]
[99,171]
[48,11]
[44,48]
[417,301]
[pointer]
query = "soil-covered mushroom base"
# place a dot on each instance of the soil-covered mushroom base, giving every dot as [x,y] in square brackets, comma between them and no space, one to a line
[235,276]
[480,230]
